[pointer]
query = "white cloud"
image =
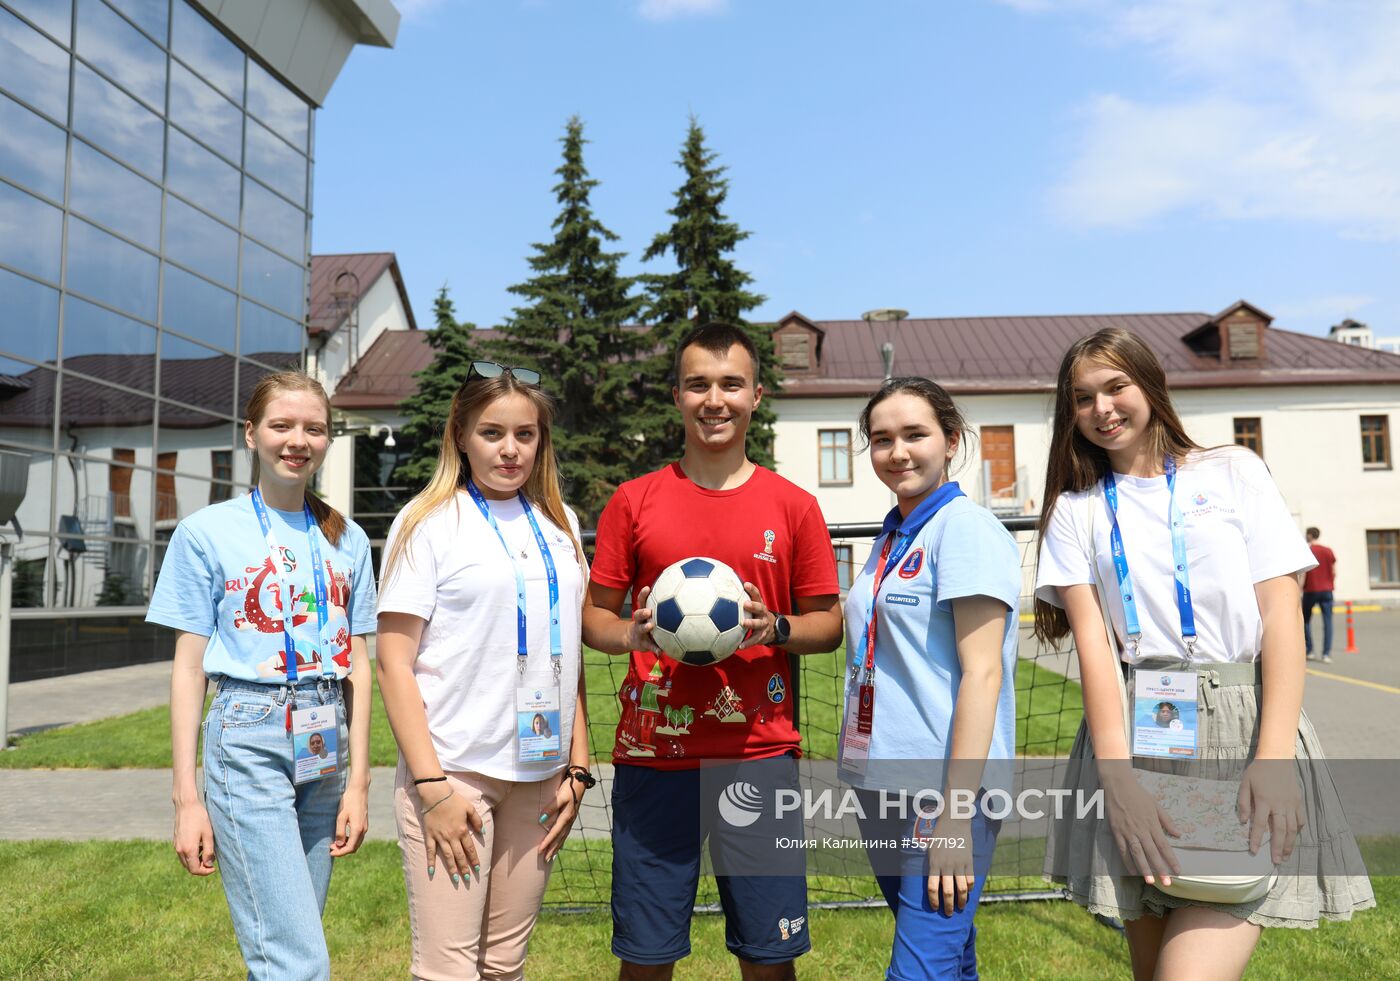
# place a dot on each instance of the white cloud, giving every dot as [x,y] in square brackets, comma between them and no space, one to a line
[1289,109]
[673,9]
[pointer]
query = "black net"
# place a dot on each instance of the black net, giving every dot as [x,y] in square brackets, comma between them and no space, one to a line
[1049,707]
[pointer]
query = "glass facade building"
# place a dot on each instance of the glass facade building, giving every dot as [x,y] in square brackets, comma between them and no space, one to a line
[155,188]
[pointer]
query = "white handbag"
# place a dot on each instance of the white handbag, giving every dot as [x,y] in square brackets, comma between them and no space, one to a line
[1194,883]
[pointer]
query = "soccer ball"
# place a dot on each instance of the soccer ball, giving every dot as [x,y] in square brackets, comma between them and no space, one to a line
[697,605]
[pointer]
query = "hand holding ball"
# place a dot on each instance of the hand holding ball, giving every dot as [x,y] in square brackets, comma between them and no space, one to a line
[697,607]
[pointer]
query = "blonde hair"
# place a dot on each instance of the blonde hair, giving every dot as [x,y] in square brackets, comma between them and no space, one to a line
[541,487]
[331,521]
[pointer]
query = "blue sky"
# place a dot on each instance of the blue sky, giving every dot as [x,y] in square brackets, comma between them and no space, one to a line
[952,157]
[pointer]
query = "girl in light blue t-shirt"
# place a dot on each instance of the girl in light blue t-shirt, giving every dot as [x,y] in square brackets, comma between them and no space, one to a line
[272,594]
[930,695]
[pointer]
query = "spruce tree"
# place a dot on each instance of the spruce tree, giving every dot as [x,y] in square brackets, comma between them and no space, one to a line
[571,328]
[706,285]
[456,348]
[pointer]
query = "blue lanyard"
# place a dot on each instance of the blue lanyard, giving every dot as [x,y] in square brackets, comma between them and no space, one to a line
[1182,574]
[902,532]
[556,643]
[318,579]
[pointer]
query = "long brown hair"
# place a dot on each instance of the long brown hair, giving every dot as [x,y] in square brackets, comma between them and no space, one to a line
[452,471]
[1075,464]
[331,521]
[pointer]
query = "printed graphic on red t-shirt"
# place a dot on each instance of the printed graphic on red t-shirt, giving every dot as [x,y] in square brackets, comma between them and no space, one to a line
[772,534]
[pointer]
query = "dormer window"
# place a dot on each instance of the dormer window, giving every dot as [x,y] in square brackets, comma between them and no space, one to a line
[795,351]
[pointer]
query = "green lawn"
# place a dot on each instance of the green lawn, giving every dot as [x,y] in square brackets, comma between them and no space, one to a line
[117,910]
[1048,709]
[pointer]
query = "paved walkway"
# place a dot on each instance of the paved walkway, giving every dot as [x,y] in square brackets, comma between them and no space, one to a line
[1354,703]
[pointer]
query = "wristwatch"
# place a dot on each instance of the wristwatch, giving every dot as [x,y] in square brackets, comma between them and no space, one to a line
[782,630]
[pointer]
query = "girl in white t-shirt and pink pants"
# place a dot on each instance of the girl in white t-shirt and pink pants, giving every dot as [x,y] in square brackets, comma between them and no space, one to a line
[478,636]
[1193,557]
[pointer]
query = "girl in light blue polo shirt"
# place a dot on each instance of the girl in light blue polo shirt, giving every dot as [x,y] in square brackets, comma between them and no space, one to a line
[272,594]
[930,694]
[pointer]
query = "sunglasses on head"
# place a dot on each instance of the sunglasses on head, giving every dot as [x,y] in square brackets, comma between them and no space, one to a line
[490,369]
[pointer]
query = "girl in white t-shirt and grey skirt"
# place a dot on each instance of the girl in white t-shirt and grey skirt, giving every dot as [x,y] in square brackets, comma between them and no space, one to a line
[1192,557]
[479,639]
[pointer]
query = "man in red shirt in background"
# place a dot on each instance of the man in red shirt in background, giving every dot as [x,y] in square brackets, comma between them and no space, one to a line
[1317,591]
[716,503]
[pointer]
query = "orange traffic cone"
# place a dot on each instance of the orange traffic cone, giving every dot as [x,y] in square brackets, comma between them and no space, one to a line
[1351,633]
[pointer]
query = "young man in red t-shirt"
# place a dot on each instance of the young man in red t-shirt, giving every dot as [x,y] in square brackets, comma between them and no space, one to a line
[1318,585]
[717,503]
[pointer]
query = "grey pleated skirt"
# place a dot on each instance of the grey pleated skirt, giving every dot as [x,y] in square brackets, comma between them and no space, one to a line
[1323,879]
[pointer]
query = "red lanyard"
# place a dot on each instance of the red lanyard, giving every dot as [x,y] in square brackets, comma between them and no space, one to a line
[881,571]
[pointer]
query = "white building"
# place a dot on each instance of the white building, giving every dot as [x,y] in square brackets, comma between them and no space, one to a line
[1319,413]
[357,301]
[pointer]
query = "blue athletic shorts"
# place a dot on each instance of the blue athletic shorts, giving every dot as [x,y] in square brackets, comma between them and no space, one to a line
[659,822]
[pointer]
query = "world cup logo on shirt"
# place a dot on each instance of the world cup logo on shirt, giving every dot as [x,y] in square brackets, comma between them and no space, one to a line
[768,538]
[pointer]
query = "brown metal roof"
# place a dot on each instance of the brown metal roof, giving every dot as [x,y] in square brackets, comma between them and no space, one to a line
[325,313]
[383,377]
[968,355]
[1018,354]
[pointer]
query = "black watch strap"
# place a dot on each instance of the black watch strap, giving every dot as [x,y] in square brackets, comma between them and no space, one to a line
[582,775]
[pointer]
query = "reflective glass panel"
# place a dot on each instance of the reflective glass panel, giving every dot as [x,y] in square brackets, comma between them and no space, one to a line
[271,339]
[104,515]
[202,177]
[99,417]
[200,242]
[276,105]
[121,52]
[108,269]
[33,67]
[152,16]
[275,164]
[198,308]
[26,404]
[28,319]
[33,512]
[187,437]
[118,123]
[31,233]
[31,149]
[108,346]
[54,16]
[199,43]
[196,375]
[105,191]
[205,113]
[273,221]
[271,279]
[242,458]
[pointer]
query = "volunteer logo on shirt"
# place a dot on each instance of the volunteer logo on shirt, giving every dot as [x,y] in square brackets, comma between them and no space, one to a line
[769,537]
[912,565]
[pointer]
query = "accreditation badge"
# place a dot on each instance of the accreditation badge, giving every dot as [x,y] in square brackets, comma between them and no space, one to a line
[315,743]
[1164,714]
[856,728]
[537,720]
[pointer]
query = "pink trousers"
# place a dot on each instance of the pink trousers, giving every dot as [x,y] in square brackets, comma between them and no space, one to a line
[481,931]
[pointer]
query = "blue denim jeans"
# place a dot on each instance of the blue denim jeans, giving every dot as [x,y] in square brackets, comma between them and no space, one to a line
[1324,601]
[272,838]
